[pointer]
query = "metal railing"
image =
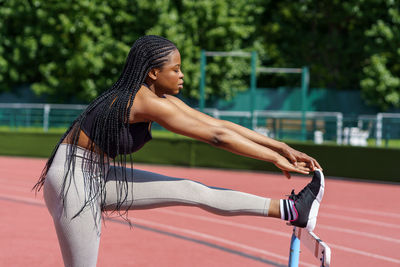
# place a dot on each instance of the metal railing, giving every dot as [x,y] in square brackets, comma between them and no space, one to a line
[17,115]
[333,126]
[393,117]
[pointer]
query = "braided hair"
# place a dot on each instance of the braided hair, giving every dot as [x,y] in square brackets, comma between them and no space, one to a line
[112,115]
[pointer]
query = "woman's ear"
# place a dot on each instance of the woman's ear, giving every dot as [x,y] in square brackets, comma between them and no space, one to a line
[153,74]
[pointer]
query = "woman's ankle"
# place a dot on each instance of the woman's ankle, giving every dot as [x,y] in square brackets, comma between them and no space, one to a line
[274,209]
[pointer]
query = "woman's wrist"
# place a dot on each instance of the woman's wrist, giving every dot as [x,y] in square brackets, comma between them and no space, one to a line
[275,158]
[281,147]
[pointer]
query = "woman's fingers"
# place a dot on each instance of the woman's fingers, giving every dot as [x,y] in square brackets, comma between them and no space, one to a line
[317,164]
[287,174]
[295,157]
[287,167]
[302,171]
[307,166]
[314,164]
[302,164]
[292,158]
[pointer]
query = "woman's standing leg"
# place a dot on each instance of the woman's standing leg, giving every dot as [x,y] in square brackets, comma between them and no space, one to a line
[78,237]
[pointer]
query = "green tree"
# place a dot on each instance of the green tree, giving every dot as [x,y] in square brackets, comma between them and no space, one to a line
[217,25]
[347,44]
[325,35]
[72,49]
[63,48]
[381,81]
[76,48]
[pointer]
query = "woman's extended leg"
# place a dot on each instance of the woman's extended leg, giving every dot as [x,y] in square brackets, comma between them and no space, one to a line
[151,190]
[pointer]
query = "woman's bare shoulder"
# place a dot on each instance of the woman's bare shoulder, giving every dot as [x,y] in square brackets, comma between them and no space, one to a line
[147,105]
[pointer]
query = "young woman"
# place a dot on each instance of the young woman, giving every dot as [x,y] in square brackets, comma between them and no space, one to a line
[88,173]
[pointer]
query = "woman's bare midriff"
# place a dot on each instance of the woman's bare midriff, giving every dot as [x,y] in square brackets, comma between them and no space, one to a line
[83,141]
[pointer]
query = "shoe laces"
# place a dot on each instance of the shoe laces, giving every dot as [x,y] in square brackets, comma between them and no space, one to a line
[294,197]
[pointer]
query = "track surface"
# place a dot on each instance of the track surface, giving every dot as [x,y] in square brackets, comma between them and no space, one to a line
[359,221]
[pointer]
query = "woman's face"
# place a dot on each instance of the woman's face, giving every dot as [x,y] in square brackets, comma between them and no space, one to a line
[169,79]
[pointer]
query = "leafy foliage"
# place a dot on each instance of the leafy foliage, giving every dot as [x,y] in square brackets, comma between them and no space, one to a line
[216,25]
[75,49]
[381,81]
[63,48]
[347,45]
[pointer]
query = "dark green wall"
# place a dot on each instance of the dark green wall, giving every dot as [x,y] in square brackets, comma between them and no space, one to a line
[380,164]
[289,99]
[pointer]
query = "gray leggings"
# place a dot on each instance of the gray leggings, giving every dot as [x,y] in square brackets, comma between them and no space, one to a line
[79,238]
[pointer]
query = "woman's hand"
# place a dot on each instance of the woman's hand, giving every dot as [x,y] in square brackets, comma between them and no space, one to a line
[297,157]
[286,167]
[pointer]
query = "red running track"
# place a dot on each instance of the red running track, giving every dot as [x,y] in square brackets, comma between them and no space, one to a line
[359,221]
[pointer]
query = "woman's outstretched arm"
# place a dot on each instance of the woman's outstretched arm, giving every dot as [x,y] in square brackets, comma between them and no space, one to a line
[169,115]
[283,149]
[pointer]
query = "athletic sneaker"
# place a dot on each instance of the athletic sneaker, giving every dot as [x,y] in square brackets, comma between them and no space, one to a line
[307,202]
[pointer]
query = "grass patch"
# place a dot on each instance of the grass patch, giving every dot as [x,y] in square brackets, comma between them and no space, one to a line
[7,129]
[391,143]
[159,133]
[61,130]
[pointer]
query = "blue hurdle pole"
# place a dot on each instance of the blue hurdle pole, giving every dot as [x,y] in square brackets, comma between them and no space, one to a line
[294,250]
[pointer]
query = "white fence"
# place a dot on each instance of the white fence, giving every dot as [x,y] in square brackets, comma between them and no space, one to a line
[263,115]
[330,126]
[34,115]
[379,124]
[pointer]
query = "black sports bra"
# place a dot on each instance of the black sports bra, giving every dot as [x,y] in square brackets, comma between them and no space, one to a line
[134,138]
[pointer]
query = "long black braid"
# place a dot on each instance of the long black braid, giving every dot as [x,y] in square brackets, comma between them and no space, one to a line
[112,115]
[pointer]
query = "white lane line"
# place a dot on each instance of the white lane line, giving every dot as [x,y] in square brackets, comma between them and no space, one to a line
[343,248]
[363,253]
[355,232]
[274,232]
[224,222]
[26,199]
[352,219]
[17,188]
[215,239]
[365,211]
[16,183]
